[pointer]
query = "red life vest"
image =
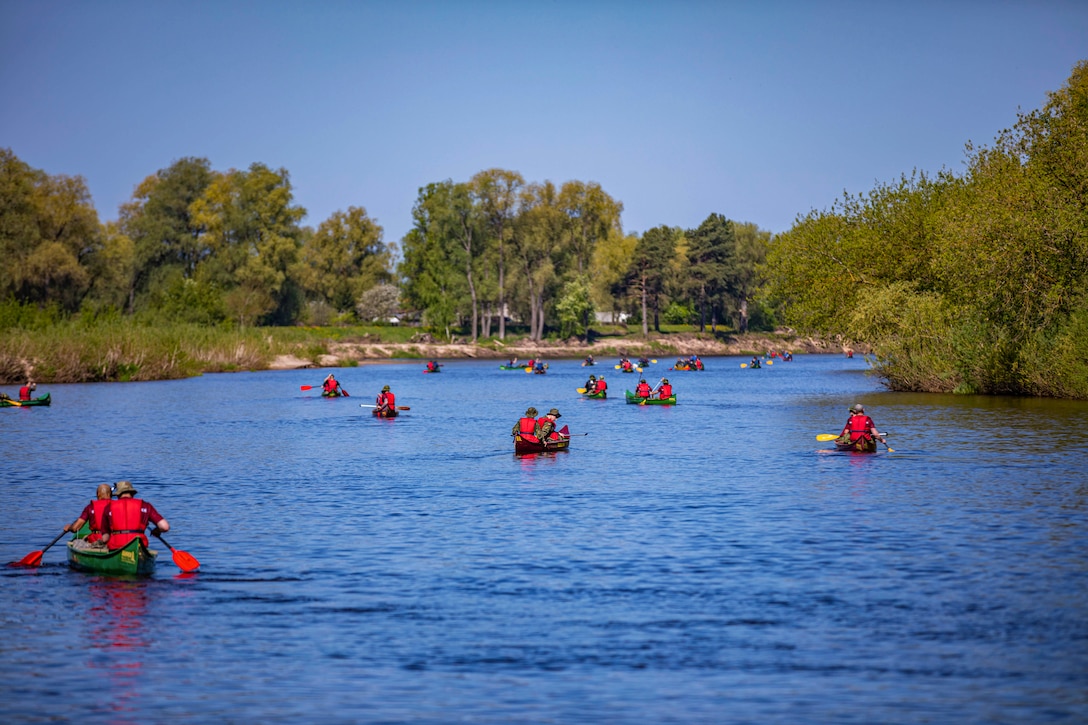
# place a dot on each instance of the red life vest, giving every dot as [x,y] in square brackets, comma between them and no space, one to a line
[698,364]
[527,429]
[665,392]
[626,364]
[24,392]
[642,390]
[128,517]
[388,399]
[553,435]
[859,426]
[329,386]
[98,523]
[601,385]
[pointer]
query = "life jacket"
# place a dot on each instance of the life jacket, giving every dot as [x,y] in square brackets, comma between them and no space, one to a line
[698,364]
[388,399]
[24,392]
[601,385]
[859,426]
[431,366]
[665,392]
[128,517]
[98,523]
[642,390]
[626,364]
[552,435]
[527,429]
[329,387]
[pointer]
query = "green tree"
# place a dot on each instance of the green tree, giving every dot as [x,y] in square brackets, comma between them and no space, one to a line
[159,222]
[711,255]
[574,307]
[608,270]
[496,194]
[537,243]
[649,270]
[252,229]
[344,258]
[747,278]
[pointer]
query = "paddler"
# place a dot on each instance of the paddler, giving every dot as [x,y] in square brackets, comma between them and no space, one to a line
[665,390]
[602,386]
[546,432]
[94,514]
[331,387]
[526,426]
[26,390]
[642,390]
[129,516]
[386,401]
[591,384]
[860,430]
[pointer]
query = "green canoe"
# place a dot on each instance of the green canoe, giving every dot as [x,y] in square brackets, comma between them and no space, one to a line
[513,367]
[635,400]
[40,400]
[135,559]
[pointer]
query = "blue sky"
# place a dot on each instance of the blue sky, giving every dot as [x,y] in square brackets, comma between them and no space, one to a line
[760,111]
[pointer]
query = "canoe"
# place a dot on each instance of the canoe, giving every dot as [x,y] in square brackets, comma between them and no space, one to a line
[588,364]
[333,395]
[513,367]
[386,414]
[534,446]
[687,368]
[635,400]
[40,400]
[632,370]
[599,395]
[433,371]
[135,559]
[859,446]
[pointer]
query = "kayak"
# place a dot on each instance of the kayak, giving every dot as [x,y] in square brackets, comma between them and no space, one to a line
[333,395]
[632,370]
[385,414]
[598,395]
[40,400]
[513,367]
[433,371]
[134,559]
[522,445]
[633,399]
[861,445]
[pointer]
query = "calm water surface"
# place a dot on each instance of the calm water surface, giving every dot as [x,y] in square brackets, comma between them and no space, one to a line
[709,562]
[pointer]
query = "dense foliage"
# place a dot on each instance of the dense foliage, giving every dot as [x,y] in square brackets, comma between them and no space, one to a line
[966,283]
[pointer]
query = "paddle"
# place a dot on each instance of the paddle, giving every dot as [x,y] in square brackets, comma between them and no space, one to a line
[343,391]
[14,402]
[399,407]
[743,365]
[832,436]
[34,558]
[184,560]
[581,390]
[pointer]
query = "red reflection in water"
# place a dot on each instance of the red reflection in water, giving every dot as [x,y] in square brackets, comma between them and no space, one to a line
[116,619]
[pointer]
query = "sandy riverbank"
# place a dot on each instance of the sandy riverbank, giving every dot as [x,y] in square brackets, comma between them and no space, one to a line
[351,353]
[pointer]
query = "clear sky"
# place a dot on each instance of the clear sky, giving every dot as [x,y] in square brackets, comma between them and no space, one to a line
[760,111]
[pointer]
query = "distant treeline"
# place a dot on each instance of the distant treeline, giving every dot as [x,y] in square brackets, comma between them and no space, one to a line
[195,245]
[961,283]
[965,283]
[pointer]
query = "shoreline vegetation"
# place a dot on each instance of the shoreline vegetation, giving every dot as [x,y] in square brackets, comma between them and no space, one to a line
[122,351]
[966,283]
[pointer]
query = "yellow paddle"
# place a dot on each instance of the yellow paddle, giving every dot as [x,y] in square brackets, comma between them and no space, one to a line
[581,390]
[826,437]
[744,365]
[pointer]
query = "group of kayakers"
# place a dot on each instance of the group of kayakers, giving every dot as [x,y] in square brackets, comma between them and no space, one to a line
[595,385]
[110,523]
[692,362]
[663,390]
[538,430]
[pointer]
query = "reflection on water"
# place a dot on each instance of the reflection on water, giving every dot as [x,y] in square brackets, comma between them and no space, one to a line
[119,641]
[697,563]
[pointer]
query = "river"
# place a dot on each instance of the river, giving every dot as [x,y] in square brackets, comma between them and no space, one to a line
[704,563]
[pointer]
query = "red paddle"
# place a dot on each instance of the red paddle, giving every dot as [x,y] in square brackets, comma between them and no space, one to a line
[343,391]
[34,558]
[185,561]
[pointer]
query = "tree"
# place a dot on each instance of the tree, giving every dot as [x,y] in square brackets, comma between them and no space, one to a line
[711,256]
[380,302]
[537,242]
[649,270]
[747,275]
[344,258]
[251,228]
[159,222]
[496,193]
[574,307]
[608,270]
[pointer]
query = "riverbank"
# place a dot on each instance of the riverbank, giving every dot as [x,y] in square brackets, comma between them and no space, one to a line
[424,346]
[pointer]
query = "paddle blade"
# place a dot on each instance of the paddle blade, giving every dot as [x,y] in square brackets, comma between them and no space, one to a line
[616,366]
[581,390]
[826,437]
[185,561]
[743,365]
[529,370]
[404,407]
[305,387]
[770,362]
[34,558]
[654,362]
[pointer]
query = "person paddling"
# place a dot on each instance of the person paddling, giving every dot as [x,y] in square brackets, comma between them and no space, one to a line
[526,426]
[128,517]
[26,390]
[386,402]
[642,390]
[331,387]
[664,390]
[94,515]
[602,386]
[860,430]
[591,384]
[547,433]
